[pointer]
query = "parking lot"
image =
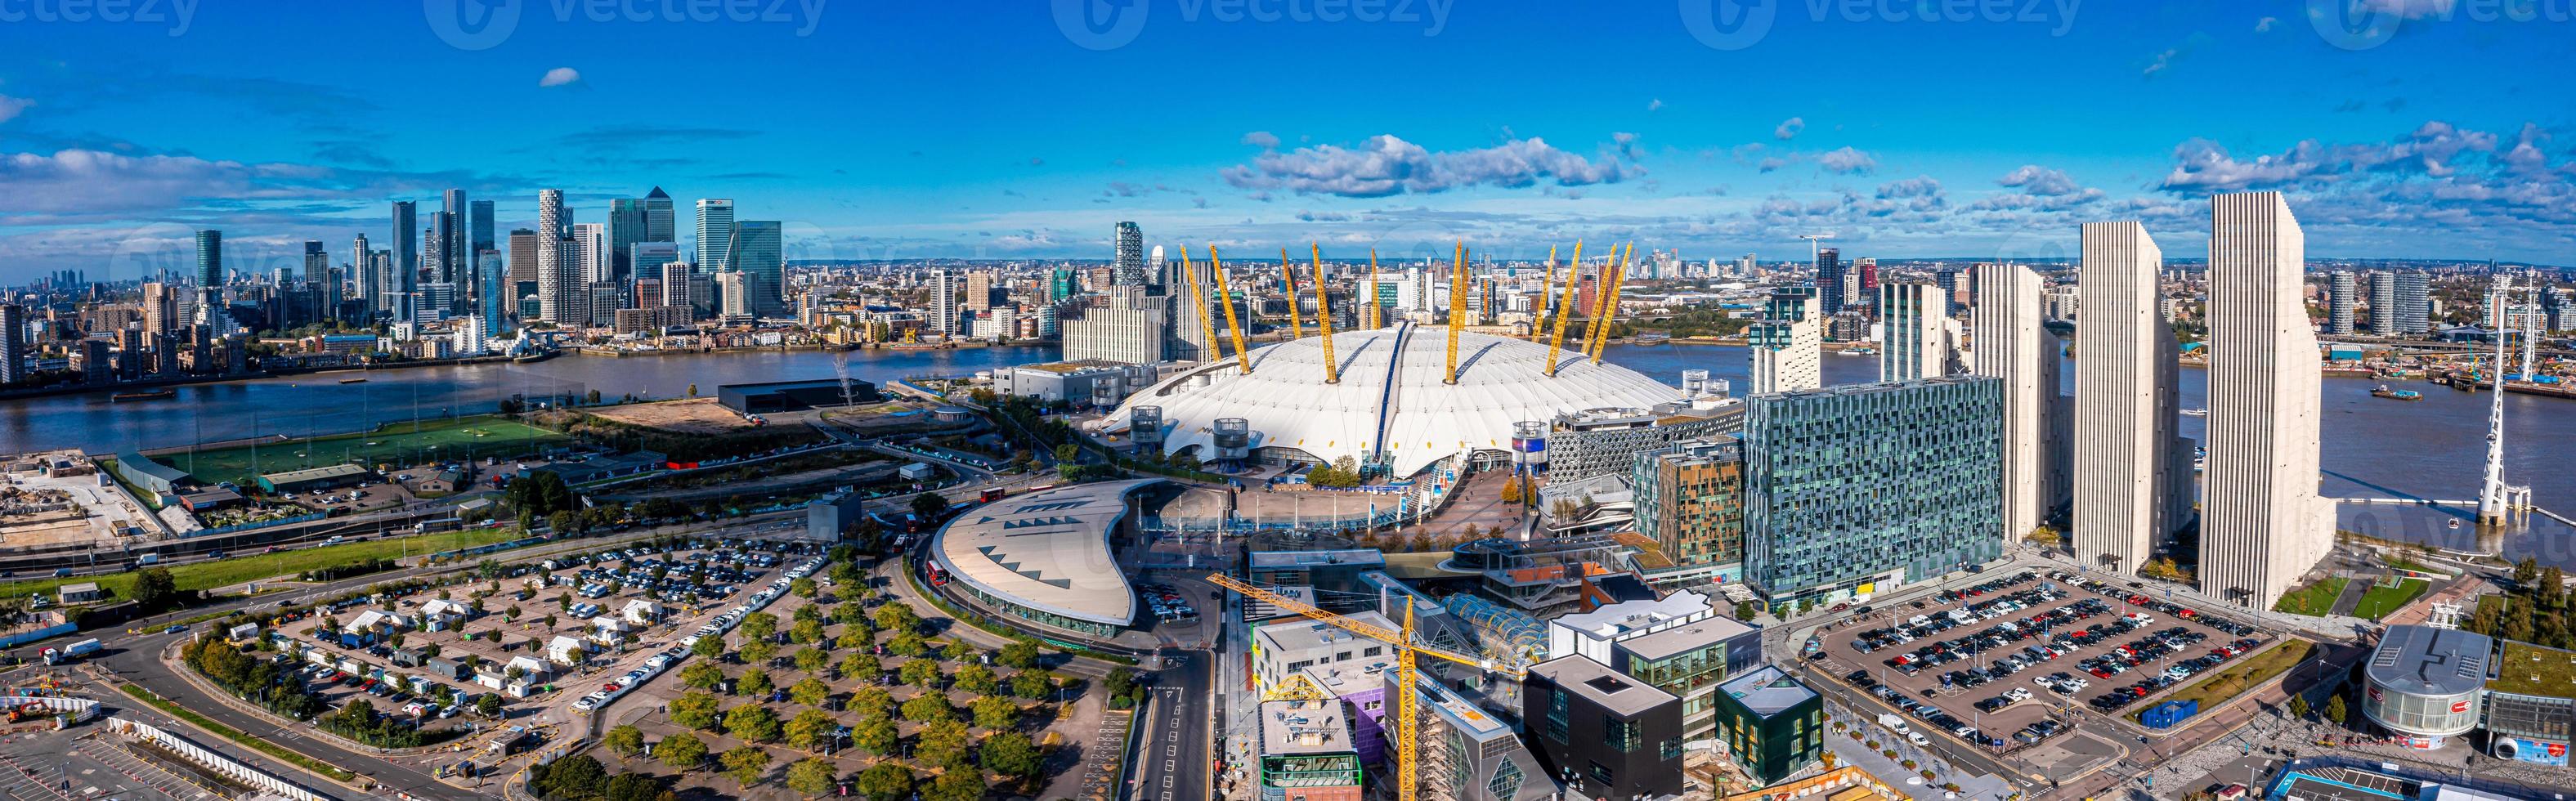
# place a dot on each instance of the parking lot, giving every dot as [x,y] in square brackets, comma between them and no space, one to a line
[2002,664]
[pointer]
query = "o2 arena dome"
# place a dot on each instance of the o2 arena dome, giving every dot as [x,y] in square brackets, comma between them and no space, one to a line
[1391,403]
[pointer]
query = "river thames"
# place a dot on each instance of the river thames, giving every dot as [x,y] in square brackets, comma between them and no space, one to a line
[2434,448]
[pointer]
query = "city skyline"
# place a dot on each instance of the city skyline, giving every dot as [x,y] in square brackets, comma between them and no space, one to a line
[2392,147]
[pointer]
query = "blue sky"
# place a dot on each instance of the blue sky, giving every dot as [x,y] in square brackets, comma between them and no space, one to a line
[1025,128]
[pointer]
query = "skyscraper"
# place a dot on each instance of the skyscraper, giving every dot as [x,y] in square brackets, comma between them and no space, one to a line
[658,223]
[758,252]
[397,275]
[648,257]
[1129,267]
[456,248]
[1829,281]
[715,234]
[2262,524]
[943,302]
[2339,301]
[2383,303]
[13,343]
[1851,489]
[1920,335]
[591,251]
[210,259]
[1787,344]
[560,288]
[2014,345]
[2128,490]
[478,230]
[361,261]
[2414,314]
[625,228]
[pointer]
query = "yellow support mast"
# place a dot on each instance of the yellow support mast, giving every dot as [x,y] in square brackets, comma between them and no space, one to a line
[1323,318]
[1207,324]
[1610,304]
[1288,275]
[1376,314]
[1216,268]
[1601,292]
[1457,311]
[1538,324]
[1564,309]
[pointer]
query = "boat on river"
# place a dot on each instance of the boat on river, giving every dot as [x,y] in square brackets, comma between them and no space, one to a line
[2396,394]
[156,394]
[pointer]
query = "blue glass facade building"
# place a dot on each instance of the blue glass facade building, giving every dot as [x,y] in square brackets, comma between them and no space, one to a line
[1854,489]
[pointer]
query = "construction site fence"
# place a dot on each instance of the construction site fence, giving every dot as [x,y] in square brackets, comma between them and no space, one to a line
[231,768]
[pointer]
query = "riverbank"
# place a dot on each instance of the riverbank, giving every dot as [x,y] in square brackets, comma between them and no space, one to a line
[146,384]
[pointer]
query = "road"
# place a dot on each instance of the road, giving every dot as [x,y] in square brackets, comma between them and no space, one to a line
[1172,739]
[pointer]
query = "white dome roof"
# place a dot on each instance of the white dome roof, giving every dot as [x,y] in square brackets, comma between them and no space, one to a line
[1287,404]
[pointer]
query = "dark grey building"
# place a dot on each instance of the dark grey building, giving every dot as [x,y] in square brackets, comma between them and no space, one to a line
[789,396]
[1603,734]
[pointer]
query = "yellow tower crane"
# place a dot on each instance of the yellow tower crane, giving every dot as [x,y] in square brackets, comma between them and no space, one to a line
[1288,275]
[1216,268]
[1323,318]
[1610,304]
[1564,309]
[1457,311]
[1198,297]
[1408,705]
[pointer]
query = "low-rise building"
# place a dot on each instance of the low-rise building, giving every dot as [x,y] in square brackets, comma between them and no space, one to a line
[1773,724]
[1306,753]
[81,593]
[1611,735]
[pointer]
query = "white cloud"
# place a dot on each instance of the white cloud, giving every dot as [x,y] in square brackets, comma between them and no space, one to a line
[1847,161]
[560,76]
[1655,105]
[92,181]
[11,106]
[2411,9]
[1261,139]
[1384,165]
[2038,180]
[1789,129]
[2265,24]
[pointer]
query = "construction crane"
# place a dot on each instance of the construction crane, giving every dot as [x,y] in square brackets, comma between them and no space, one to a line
[1216,268]
[1323,317]
[1408,705]
[1610,304]
[1198,297]
[1815,248]
[1288,276]
[1565,309]
[1547,289]
[1457,311]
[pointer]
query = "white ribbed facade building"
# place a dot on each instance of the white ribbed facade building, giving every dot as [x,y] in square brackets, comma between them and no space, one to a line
[2262,525]
[562,296]
[2132,470]
[2013,344]
[1787,345]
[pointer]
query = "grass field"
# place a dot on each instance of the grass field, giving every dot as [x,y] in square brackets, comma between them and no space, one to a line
[228,572]
[2378,601]
[2314,599]
[2234,679]
[2532,670]
[398,444]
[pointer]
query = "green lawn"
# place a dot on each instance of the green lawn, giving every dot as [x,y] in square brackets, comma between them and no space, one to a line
[2234,679]
[2378,601]
[2314,599]
[227,572]
[396,444]
[2532,670]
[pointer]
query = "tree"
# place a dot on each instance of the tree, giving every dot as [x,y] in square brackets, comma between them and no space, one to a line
[976,678]
[702,675]
[1747,610]
[872,702]
[627,741]
[708,648]
[995,712]
[1020,655]
[878,736]
[929,708]
[1512,491]
[755,683]
[1031,684]
[632,787]
[897,617]
[2299,706]
[576,776]
[813,777]
[955,785]
[681,751]
[811,692]
[752,722]
[745,764]
[758,626]
[921,673]
[886,781]
[1119,681]
[810,729]
[942,745]
[2335,710]
[928,505]
[804,587]
[806,632]
[155,590]
[758,651]
[489,705]
[1011,754]
[695,710]
[861,666]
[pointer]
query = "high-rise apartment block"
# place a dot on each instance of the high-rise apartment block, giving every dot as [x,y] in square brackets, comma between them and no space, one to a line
[1921,339]
[1128,266]
[1787,345]
[2262,523]
[2014,345]
[2341,296]
[1690,500]
[2132,467]
[1853,488]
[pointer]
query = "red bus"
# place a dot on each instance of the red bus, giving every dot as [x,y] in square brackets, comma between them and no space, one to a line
[993,494]
[938,577]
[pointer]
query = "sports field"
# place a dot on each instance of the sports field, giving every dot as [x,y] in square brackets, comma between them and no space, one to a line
[396,445]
